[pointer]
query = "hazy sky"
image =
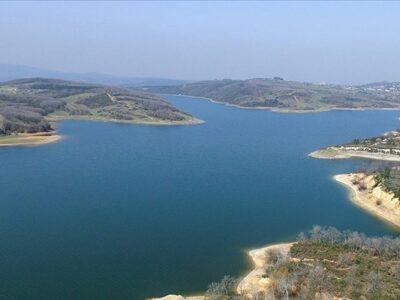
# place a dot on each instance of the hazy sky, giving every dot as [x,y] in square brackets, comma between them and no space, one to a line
[309,41]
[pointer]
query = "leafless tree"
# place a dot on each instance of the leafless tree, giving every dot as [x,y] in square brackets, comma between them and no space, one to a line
[374,282]
[223,290]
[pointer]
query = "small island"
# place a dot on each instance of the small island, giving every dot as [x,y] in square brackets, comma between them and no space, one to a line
[322,264]
[30,107]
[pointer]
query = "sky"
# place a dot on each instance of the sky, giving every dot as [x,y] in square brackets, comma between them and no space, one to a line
[334,42]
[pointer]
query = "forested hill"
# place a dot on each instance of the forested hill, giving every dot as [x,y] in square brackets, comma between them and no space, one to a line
[290,95]
[27,105]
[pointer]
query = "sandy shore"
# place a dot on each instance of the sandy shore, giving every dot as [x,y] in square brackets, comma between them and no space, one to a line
[29,139]
[389,206]
[179,297]
[334,153]
[255,281]
[251,283]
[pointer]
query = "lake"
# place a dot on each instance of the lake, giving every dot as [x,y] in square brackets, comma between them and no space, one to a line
[131,211]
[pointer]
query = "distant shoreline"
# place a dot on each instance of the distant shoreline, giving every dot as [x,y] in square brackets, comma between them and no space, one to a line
[388,208]
[282,110]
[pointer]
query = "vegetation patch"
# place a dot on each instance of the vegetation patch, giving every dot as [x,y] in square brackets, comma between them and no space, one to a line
[326,263]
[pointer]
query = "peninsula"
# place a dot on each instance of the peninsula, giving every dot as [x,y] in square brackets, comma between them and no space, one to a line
[290,96]
[385,147]
[29,108]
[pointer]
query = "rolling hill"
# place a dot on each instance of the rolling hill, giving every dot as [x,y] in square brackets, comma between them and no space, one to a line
[278,94]
[29,105]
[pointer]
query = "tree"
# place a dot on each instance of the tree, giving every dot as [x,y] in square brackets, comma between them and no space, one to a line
[275,256]
[223,290]
[355,240]
[352,278]
[396,274]
[317,278]
[374,282]
[284,285]
[345,259]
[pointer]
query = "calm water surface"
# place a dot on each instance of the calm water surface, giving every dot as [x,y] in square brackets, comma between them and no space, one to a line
[127,212]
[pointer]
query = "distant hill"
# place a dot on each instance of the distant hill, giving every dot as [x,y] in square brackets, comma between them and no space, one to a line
[11,72]
[284,95]
[382,85]
[28,105]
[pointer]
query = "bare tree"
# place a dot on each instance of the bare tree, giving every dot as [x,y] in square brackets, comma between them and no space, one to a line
[223,290]
[374,282]
[352,278]
[345,259]
[318,278]
[284,286]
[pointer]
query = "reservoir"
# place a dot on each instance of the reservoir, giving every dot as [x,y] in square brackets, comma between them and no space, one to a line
[118,211]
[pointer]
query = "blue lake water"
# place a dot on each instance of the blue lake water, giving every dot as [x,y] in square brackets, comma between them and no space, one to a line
[129,211]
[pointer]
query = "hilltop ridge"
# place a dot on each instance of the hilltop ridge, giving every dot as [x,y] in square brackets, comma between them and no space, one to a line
[281,95]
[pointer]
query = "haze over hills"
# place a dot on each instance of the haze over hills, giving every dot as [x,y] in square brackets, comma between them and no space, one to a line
[279,94]
[27,105]
[11,72]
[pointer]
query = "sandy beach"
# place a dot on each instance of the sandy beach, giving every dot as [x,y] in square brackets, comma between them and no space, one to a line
[251,283]
[29,139]
[374,199]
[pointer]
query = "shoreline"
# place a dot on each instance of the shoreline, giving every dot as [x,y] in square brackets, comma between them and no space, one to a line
[192,121]
[331,153]
[29,139]
[253,281]
[42,138]
[280,110]
[388,210]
